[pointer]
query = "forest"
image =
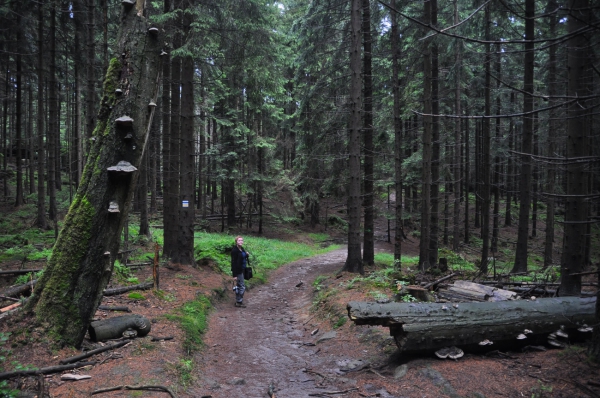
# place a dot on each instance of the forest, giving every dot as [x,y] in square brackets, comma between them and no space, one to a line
[450,120]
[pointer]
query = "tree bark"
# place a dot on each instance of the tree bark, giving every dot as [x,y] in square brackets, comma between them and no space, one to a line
[354,260]
[19,197]
[434,226]
[457,141]
[398,235]
[369,224]
[171,194]
[424,263]
[527,143]
[67,295]
[572,259]
[430,326]
[184,251]
[53,117]
[41,220]
[485,153]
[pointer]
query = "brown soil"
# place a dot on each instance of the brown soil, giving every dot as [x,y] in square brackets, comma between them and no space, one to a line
[274,344]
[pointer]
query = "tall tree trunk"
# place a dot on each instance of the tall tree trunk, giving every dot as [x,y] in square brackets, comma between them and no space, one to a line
[457,147]
[496,181]
[369,223]
[467,172]
[527,143]
[170,102]
[19,198]
[477,183]
[142,196]
[510,169]
[353,261]
[572,259]
[485,153]
[40,220]
[30,138]
[53,126]
[427,150]
[7,90]
[552,135]
[90,46]
[154,162]
[435,146]
[184,253]
[68,294]
[534,179]
[398,232]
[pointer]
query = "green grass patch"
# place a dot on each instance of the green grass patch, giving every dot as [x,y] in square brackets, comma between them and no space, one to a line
[265,254]
[136,296]
[192,317]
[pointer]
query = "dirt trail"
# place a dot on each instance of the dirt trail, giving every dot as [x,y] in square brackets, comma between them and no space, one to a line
[269,342]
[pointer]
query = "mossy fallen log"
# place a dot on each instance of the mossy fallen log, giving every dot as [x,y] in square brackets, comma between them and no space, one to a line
[421,327]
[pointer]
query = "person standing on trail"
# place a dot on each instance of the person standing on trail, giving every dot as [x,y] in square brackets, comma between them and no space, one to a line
[239,261]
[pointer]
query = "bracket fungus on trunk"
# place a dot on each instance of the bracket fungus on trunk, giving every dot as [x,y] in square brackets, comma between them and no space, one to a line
[124,121]
[128,3]
[123,167]
[113,207]
[153,31]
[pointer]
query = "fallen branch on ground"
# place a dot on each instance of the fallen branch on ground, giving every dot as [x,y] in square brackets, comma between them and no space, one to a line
[10,307]
[93,352]
[116,308]
[156,338]
[48,370]
[120,290]
[333,392]
[427,286]
[146,388]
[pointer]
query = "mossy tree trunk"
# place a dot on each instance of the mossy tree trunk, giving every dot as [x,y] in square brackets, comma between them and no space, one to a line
[68,294]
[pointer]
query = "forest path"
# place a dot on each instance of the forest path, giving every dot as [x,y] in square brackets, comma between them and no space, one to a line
[270,341]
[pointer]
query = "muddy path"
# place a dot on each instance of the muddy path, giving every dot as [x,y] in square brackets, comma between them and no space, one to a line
[276,344]
[270,342]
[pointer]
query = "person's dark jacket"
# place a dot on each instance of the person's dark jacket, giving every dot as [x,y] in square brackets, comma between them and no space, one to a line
[237,261]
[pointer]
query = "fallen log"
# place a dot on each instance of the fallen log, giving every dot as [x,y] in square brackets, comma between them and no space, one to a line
[19,290]
[113,328]
[120,290]
[19,271]
[423,327]
[495,293]
[43,371]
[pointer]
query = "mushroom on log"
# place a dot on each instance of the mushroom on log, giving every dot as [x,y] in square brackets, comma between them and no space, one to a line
[426,327]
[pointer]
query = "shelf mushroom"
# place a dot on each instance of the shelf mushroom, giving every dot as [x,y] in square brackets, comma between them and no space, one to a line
[113,207]
[124,121]
[123,167]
